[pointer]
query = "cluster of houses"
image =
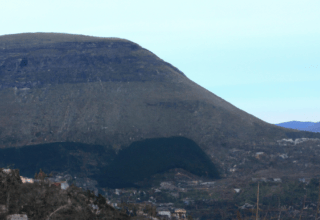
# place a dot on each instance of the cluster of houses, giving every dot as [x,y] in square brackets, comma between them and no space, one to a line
[172,213]
[168,212]
[52,181]
[7,171]
[165,210]
[56,181]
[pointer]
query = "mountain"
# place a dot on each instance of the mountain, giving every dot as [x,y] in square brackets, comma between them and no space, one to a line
[87,99]
[303,126]
[313,128]
[299,125]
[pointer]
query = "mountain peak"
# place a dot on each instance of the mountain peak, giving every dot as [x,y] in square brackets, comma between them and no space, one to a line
[60,88]
[40,59]
[48,38]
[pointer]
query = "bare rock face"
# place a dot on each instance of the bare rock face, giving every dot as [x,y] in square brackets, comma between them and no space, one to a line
[112,92]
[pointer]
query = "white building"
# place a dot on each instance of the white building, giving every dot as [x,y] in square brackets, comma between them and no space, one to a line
[64,185]
[17,217]
[207,183]
[26,180]
[180,213]
[117,191]
[7,171]
[165,213]
[277,180]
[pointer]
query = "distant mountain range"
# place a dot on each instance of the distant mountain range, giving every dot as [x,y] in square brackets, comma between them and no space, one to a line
[302,126]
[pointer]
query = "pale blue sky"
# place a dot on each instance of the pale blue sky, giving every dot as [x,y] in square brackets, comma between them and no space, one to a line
[261,56]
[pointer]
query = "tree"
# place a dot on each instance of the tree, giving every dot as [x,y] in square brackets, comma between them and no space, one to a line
[90,196]
[151,210]
[8,186]
[41,175]
[100,200]
[189,217]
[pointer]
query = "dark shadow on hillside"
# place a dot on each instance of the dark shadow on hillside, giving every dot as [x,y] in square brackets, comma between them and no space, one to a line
[142,159]
[74,158]
[135,163]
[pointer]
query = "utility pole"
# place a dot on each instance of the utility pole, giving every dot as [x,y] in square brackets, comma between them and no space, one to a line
[8,194]
[304,203]
[279,210]
[318,202]
[257,213]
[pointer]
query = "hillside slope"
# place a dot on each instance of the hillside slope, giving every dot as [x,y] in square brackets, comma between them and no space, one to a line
[58,88]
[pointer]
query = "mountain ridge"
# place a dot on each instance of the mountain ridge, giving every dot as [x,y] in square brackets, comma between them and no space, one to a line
[60,88]
[302,126]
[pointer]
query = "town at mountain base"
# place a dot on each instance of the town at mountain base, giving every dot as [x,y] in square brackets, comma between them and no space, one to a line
[82,105]
[40,198]
[182,197]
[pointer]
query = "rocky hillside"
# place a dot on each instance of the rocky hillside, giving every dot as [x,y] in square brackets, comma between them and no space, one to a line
[110,92]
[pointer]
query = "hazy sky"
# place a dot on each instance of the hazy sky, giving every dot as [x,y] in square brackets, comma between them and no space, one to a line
[261,56]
